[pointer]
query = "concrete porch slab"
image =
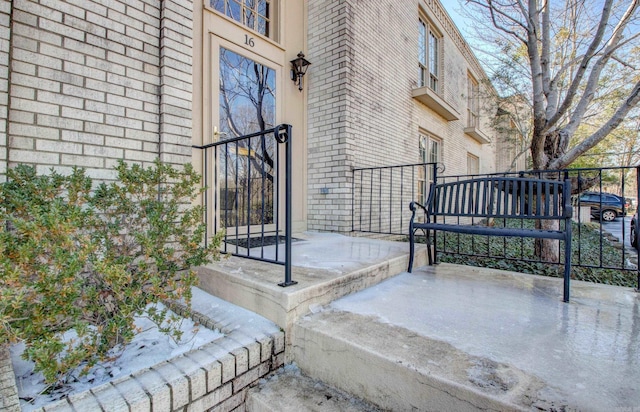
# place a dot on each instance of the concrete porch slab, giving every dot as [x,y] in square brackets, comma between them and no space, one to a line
[325,265]
[454,337]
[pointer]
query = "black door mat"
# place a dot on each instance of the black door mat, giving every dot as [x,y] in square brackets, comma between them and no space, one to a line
[258,241]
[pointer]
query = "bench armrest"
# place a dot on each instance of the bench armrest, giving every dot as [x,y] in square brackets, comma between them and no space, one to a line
[413,206]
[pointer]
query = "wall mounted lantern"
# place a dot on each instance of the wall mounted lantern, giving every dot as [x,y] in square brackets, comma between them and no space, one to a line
[298,69]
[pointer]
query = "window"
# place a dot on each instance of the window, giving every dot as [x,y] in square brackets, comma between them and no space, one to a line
[428,56]
[254,14]
[473,164]
[473,104]
[430,151]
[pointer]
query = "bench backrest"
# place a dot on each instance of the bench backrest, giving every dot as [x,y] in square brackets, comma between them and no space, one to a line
[502,197]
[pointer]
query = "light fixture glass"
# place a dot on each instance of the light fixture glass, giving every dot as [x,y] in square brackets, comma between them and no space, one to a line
[299,67]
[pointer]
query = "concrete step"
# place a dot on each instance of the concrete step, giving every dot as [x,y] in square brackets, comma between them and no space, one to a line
[397,369]
[288,390]
[326,266]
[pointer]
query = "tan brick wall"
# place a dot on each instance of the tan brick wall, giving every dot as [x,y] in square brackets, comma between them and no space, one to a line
[361,109]
[5,36]
[9,401]
[176,81]
[94,81]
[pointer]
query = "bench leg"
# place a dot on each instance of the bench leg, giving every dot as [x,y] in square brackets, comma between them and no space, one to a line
[567,268]
[411,248]
[430,249]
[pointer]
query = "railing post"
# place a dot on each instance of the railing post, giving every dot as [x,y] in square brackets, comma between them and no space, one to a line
[206,198]
[353,199]
[435,234]
[286,139]
[638,226]
[567,240]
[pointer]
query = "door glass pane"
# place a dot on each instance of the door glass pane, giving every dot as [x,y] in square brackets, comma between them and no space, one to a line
[247,167]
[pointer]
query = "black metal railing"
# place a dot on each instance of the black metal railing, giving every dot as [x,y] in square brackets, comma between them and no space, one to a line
[381,196]
[246,179]
[380,205]
[602,208]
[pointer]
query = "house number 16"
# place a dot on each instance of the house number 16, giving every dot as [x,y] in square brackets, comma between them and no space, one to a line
[248,40]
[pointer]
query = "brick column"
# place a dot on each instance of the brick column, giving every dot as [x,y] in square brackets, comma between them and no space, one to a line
[330,156]
[176,81]
[5,41]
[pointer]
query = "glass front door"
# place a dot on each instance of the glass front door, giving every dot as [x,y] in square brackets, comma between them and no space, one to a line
[246,168]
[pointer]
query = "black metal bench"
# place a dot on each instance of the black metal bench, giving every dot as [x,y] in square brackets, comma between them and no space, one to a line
[496,198]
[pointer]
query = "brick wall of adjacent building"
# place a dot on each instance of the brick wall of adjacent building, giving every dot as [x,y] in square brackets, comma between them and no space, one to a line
[93,82]
[361,109]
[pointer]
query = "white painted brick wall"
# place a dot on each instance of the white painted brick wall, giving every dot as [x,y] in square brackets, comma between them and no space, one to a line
[94,81]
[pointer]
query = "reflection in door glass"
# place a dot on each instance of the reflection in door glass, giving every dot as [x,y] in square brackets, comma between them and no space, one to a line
[246,167]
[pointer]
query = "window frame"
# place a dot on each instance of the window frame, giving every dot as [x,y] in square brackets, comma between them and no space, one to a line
[473,102]
[250,12]
[426,144]
[429,55]
[473,164]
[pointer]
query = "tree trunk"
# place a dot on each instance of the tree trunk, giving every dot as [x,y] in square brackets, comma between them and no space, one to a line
[549,147]
[548,250]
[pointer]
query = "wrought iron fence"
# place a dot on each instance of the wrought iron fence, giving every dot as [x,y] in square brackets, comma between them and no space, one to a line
[247,179]
[381,196]
[602,229]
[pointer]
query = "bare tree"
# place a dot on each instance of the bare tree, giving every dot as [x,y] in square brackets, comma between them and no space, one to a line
[565,55]
[569,47]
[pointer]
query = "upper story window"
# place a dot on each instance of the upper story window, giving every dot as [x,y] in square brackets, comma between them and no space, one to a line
[473,103]
[255,14]
[473,164]
[429,42]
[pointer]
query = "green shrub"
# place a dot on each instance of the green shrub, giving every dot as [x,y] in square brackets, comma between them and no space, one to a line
[73,257]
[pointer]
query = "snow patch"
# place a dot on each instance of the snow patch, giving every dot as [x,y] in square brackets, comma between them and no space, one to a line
[147,348]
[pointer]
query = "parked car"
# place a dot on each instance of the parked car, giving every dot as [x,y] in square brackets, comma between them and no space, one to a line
[632,231]
[604,206]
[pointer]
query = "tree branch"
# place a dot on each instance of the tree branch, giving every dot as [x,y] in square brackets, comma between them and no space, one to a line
[577,80]
[495,12]
[546,50]
[632,101]
[596,70]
